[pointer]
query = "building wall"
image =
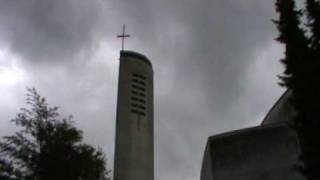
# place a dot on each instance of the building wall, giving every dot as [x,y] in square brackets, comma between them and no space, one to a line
[282,110]
[206,169]
[134,147]
[269,152]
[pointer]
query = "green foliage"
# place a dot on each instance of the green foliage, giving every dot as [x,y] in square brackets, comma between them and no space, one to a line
[46,147]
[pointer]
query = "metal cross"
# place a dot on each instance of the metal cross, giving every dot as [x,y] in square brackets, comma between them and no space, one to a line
[123,35]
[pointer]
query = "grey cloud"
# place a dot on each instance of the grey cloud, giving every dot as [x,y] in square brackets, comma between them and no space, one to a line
[41,30]
[206,57]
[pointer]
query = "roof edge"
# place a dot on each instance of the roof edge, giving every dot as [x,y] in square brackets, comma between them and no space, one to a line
[126,53]
[286,94]
[253,128]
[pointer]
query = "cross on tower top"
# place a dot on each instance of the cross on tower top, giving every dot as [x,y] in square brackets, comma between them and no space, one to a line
[123,35]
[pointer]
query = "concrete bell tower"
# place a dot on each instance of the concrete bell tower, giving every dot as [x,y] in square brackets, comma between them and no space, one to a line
[134,145]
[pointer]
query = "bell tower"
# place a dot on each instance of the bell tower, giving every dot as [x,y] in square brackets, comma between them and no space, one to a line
[134,145]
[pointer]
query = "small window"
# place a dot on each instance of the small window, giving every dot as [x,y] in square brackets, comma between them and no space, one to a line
[138,94]
[138,112]
[138,106]
[138,99]
[139,76]
[139,82]
[139,88]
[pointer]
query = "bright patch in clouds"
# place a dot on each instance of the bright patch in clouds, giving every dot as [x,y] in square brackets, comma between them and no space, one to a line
[11,76]
[10,71]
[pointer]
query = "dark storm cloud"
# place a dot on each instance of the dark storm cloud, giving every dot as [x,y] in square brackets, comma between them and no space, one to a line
[215,65]
[58,44]
[40,30]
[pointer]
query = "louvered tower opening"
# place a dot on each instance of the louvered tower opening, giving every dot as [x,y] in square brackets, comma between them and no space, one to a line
[138,94]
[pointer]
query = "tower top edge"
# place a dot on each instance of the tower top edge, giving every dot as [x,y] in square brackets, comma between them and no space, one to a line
[126,53]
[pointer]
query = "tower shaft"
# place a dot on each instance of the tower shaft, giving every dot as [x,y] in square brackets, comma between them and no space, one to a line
[134,146]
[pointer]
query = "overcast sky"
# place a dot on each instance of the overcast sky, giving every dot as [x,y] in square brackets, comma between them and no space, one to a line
[215,64]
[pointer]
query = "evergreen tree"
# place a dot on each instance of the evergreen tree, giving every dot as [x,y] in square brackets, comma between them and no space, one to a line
[292,36]
[301,76]
[298,65]
[312,132]
[313,16]
[47,147]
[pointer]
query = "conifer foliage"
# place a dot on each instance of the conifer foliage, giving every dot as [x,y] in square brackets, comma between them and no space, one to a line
[302,75]
[292,36]
[47,147]
[313,13]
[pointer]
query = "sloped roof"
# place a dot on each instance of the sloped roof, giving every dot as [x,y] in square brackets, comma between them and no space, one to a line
[282,110]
